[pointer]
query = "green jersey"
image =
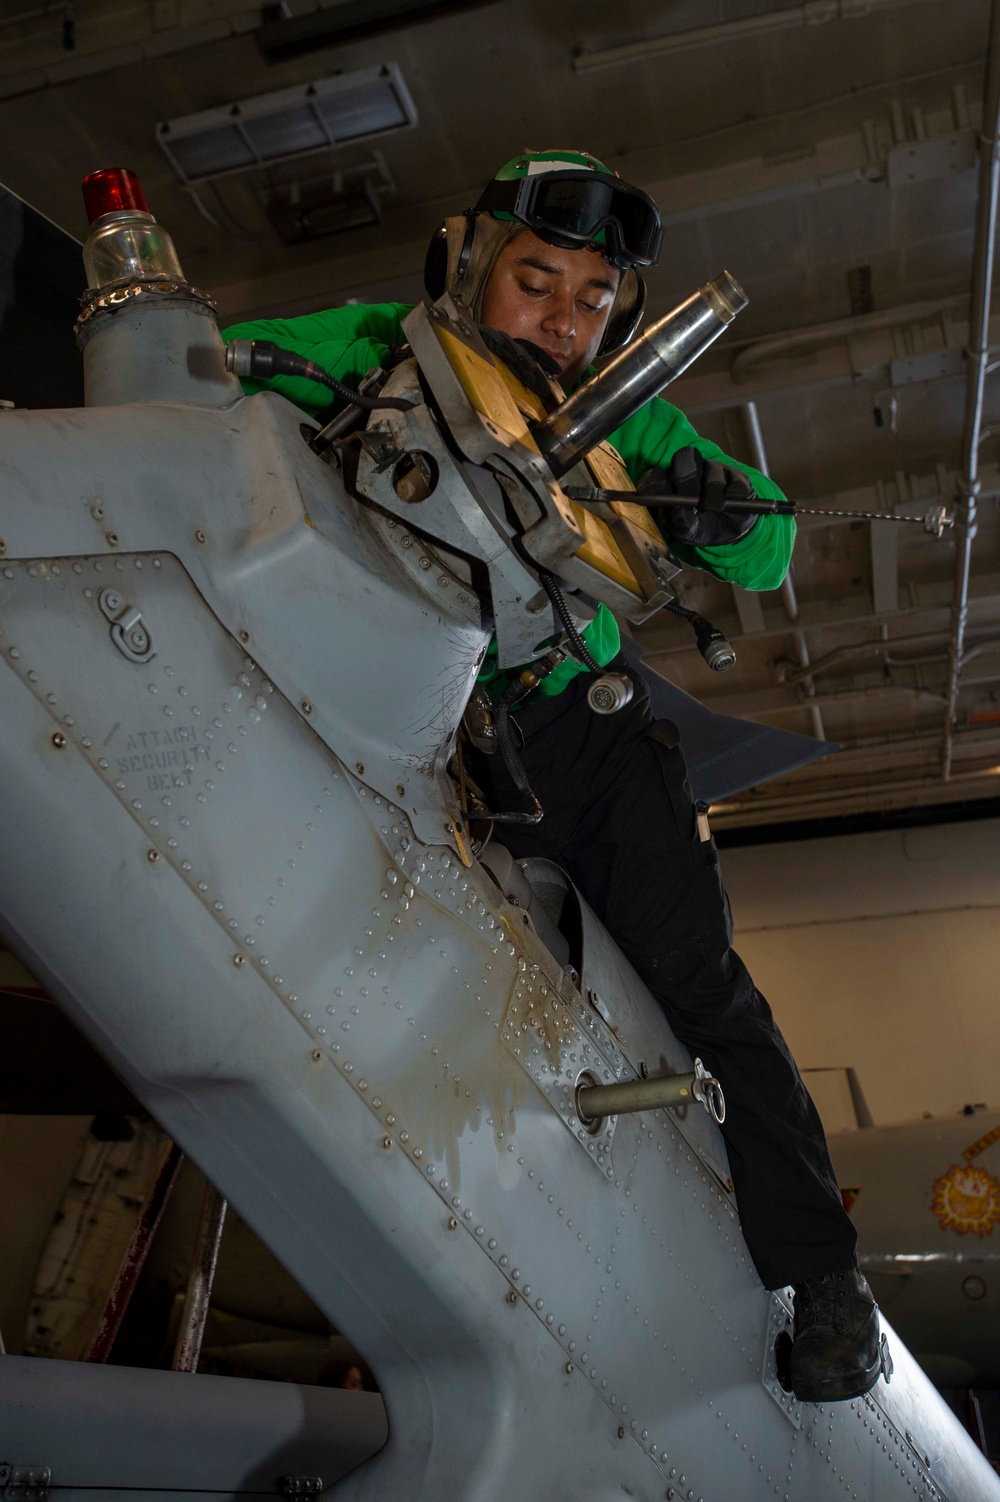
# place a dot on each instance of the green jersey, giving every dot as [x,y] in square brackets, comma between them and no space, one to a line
[350,341]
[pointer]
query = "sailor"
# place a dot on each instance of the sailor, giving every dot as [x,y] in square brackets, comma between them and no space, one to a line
[549,264]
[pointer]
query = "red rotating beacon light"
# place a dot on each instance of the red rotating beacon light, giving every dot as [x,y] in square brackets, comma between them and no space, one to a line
[111,191]
[125,243]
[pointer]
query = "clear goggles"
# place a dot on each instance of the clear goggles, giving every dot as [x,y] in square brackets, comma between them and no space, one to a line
[571,209]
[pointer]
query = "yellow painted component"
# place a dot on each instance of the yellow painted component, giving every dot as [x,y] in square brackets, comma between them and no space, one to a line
[500,398]
[600,550]
[607,468]
[486,388]
[527,401]
[609,472]
[640,517]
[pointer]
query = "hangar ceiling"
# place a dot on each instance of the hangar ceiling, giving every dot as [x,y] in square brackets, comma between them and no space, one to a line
[830,166]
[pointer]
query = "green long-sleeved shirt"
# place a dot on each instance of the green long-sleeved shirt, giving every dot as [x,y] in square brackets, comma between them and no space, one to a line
[350,341]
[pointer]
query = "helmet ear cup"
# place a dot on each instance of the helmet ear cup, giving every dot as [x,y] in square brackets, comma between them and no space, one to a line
[436,263]
[624,322]
[436,259]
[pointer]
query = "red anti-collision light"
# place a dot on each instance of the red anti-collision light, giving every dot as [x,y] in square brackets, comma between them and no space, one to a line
[111,191]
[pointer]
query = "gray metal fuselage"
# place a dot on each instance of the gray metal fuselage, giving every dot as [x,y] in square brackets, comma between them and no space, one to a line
[234,864]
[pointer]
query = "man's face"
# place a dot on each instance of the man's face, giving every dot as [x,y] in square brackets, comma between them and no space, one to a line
[559,299]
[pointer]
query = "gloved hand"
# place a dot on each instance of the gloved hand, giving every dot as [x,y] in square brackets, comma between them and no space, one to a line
[523,359]
[690,473]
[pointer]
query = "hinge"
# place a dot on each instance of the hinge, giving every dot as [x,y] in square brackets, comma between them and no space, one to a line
[24,1483]
[301,1486]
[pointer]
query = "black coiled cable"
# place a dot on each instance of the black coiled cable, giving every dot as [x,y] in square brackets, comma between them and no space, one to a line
[682,610]
[577,644]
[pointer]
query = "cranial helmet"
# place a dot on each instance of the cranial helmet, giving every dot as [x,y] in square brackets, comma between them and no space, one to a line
[569,199]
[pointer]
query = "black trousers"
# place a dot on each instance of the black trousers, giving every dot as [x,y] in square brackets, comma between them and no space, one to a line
[619,818]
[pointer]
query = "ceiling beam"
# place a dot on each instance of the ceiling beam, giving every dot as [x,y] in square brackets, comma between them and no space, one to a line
[742,29]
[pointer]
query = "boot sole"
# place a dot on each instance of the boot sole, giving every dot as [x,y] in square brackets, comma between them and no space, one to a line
[839,1389]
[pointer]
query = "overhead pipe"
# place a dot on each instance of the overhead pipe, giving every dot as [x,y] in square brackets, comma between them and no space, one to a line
[813,13]
[788,596]
[759,454]
[884,644]
[814,336]
[977,361]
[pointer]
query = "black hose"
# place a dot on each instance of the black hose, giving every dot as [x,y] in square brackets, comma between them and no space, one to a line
[262,360]
[577,644]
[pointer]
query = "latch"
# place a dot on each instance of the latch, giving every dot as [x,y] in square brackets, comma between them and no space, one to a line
[127,630]
[25,1483]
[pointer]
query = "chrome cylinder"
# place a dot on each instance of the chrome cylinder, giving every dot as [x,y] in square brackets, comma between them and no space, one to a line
[638,373]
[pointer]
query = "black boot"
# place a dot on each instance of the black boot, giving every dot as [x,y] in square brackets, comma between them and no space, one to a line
[836,1352]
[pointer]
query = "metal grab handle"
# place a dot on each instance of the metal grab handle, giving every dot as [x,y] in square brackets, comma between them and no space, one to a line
[594,1102]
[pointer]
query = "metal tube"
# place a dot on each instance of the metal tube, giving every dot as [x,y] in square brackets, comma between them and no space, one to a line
[199,1288]
[889,644]
[636,375]
[135,1256]
[815,714]
[977,359]
[759,453]
[594,1102]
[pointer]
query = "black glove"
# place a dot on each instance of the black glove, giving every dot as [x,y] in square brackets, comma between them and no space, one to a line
[708,526]
[523,359]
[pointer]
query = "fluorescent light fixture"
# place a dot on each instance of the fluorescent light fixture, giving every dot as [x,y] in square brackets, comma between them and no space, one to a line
[364,105]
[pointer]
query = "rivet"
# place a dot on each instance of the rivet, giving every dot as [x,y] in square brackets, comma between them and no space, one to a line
[152,855]
[58,740]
